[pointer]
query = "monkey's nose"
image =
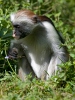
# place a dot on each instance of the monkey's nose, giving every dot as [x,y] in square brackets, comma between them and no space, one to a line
[14,35]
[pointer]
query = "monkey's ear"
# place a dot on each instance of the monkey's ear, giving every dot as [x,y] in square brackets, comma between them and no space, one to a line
[36,19]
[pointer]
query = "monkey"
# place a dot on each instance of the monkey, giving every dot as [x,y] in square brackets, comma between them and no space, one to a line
[37,45]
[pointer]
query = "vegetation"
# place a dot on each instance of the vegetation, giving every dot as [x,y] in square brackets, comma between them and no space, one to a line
[59,87]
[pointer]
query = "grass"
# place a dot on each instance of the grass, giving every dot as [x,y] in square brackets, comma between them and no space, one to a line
[12,88]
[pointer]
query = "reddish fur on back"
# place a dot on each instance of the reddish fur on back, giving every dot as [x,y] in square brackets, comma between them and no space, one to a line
[27,13]
[34,17]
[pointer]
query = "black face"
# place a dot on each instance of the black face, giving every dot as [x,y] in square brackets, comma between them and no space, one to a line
[22,29]
[19,31]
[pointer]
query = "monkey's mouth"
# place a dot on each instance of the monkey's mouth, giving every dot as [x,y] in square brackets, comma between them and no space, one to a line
[15,36]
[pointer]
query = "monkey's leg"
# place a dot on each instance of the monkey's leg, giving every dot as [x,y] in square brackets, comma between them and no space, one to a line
[24,68]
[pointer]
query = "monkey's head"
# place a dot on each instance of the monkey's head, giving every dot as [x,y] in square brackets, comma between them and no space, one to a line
[23,22]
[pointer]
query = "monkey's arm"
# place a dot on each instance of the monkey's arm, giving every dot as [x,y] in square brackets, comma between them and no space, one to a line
[13,51]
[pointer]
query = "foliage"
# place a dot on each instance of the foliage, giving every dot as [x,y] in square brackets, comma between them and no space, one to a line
[59,87]
[14,89]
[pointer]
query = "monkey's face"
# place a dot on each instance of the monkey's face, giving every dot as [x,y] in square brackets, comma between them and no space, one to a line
[23,23]
[22,29]
[22,26]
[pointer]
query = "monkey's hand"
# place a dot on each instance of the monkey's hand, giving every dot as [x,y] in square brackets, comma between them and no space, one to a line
[12,54]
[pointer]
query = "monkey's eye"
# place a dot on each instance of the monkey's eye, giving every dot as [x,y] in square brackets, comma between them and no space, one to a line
[16,26]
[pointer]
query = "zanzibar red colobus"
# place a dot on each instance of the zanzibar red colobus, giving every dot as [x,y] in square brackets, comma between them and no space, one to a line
[36,44]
